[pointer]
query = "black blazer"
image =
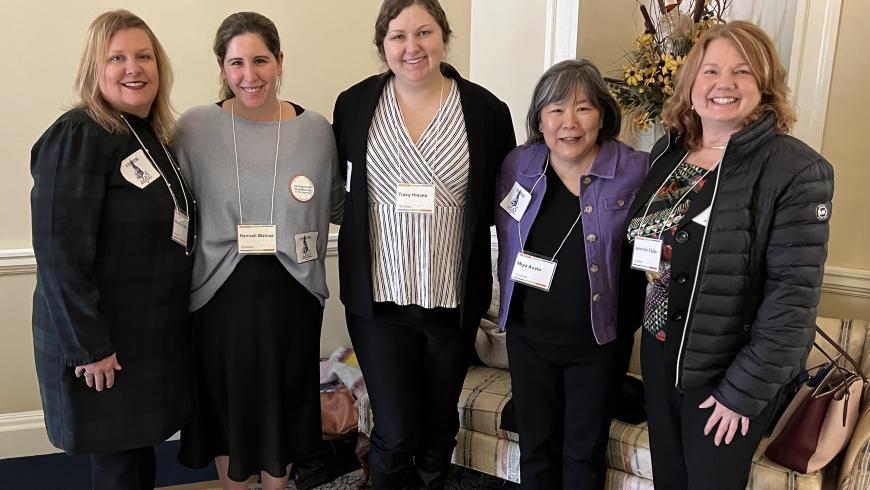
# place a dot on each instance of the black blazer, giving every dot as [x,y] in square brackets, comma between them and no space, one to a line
[490,138]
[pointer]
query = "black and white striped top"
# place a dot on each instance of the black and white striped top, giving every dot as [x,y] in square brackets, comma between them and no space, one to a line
[416,257]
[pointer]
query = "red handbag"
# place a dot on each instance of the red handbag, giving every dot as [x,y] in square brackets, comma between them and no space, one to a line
[820,420]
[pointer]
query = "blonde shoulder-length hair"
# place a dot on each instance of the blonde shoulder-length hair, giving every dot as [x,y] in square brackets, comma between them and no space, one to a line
[93,64]
[758,50]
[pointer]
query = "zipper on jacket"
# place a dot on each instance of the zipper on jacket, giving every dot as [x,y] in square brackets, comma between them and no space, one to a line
[698,269]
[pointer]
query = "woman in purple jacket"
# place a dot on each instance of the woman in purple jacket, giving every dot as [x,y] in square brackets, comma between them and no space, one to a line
[563,199]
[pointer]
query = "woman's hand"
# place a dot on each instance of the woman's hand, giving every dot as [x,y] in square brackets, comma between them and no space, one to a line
[727,419]
[100,374]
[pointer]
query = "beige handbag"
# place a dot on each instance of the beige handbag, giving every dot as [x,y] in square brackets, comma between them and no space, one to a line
[820,420]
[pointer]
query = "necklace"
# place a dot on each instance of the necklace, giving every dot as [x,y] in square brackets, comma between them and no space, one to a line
[236,152]
[717,147]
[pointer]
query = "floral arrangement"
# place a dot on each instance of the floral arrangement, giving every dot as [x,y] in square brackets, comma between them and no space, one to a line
[670,31]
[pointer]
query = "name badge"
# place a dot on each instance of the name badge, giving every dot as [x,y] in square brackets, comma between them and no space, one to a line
[703,217]
[533,271]
[647,254]
[257,239]
[180,223]
[415,198]
[306,246]
[138,170]
[516,202]
[347,178]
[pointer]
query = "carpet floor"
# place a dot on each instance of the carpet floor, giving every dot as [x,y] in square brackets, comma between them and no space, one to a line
[59,471]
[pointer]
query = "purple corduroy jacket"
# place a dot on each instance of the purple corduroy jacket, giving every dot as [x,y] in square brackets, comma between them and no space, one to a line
[606,195]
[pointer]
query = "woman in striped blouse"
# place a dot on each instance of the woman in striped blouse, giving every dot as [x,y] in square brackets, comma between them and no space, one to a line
[421,147]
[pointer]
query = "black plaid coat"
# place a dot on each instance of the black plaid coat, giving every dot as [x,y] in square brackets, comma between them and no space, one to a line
[109,279]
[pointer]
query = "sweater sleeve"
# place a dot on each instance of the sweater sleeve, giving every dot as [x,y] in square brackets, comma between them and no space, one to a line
[69,184]
[784,326]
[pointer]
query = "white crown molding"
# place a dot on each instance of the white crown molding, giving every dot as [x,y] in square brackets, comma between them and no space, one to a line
[22,261]
[814,46]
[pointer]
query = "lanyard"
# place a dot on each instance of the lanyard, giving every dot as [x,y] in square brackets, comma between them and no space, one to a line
[436,121]
[680,200]
[519,223]
[171,164]
[236,152]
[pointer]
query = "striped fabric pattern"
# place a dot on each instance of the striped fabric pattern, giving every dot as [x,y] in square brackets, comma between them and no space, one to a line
[416,257]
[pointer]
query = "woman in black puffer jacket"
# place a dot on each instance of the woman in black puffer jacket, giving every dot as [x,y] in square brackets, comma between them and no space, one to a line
[731,229]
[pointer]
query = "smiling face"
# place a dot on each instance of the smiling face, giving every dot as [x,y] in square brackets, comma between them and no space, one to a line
[414,46]
[725,91]
[252,72]
[570,128]
[130,78]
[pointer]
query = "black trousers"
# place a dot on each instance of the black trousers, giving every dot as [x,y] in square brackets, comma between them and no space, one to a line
[682,456]
[413,364]
[133,469]
[560,396]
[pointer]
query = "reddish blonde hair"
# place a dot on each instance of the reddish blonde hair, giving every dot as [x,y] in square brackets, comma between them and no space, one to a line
[758,50]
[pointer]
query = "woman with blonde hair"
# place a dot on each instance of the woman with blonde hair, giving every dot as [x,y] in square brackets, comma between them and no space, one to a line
[730,229]
[113,231]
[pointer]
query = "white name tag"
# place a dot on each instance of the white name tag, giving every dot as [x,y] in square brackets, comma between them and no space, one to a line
[647,254]
[306,246]
[257,239]
[138,170]
[347,181]
[533,271]
[415,198]
[180,223]
[703,217]
[516,202]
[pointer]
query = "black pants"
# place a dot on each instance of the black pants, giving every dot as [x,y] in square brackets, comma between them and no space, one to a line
[413,369]
[133,469]
[560,397]
[682,456]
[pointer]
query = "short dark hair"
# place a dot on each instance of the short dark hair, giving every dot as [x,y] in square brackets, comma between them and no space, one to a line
[559,82]
[243,23]
[391,9]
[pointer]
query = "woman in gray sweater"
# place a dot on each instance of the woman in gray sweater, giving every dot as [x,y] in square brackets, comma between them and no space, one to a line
[266,173]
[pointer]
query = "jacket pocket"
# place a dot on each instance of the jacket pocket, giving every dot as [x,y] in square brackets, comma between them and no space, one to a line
[619,202]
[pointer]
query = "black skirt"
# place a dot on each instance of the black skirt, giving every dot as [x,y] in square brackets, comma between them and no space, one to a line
[256,348]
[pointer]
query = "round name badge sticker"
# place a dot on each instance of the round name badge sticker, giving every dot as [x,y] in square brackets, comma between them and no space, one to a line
[302,188]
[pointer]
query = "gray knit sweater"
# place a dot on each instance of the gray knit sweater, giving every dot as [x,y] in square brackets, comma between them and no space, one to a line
[204,145]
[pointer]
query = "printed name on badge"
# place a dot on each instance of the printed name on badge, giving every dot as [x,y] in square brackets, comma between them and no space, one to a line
[415,198]
[138,170]
[533,271]
[257,239]
[647,254]
[302,188]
